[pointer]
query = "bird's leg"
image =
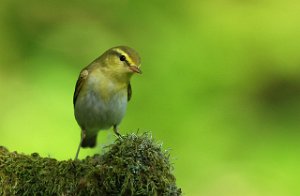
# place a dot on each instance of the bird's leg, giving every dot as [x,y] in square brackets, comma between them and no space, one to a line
[117,131]
[82,138]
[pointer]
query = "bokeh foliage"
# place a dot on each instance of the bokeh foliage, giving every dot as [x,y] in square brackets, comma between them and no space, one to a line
[221,84]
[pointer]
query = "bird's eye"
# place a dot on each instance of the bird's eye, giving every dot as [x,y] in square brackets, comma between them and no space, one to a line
[122,58]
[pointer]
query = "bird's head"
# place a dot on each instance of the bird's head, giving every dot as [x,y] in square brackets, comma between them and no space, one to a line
[121,61]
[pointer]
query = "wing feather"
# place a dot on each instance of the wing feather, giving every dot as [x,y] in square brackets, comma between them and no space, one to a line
[80,82]
[129,92]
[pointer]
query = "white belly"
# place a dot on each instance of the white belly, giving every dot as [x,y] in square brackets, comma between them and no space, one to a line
[92,113]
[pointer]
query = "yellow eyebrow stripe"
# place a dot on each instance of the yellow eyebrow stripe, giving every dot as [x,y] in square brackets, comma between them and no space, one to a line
[121,52]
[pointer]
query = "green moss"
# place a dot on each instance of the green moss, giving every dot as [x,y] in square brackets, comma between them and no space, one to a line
[133,165]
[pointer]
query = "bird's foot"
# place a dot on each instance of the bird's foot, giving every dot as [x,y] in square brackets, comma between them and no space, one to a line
[83,135]
[116,130]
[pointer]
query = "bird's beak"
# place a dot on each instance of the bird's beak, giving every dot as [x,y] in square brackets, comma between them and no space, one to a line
[135,69]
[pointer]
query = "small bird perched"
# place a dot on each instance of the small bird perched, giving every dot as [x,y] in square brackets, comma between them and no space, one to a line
[102,92]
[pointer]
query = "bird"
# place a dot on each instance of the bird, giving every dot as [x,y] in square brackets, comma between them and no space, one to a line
[102,91]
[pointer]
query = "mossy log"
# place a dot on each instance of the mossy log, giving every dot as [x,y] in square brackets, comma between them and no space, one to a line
[132,165]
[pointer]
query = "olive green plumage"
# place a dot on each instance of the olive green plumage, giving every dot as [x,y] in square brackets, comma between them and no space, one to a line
[102,92]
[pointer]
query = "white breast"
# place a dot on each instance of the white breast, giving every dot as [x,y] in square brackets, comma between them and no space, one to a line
[93,113]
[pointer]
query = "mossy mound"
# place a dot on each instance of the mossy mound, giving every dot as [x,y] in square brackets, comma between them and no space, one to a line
[133,165]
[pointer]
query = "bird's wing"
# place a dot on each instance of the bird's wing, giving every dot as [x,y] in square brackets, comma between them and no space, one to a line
[129,92]
[80,82]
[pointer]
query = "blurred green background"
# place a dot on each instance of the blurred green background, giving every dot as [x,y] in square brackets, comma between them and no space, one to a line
[220,88]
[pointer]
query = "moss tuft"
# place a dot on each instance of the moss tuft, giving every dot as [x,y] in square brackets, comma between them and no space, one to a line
[132,165]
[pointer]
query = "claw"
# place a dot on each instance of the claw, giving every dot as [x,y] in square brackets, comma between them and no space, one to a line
[117,132]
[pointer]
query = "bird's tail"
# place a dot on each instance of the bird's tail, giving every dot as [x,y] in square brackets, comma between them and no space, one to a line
[89,141]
